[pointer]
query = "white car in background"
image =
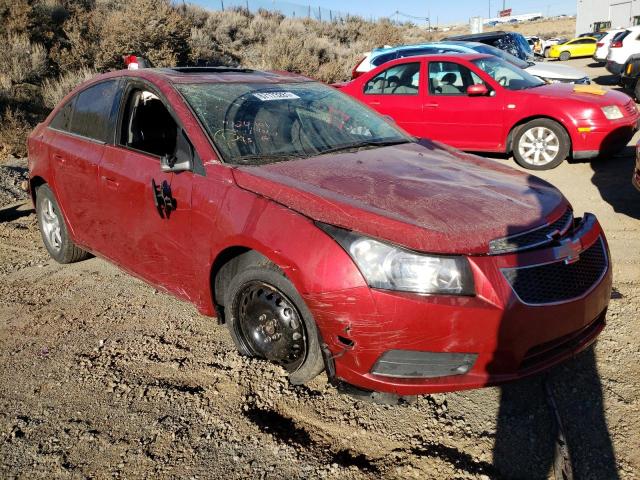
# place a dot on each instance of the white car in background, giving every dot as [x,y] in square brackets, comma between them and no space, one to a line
[550,42]
[603,44]
[625,44]
[551,72]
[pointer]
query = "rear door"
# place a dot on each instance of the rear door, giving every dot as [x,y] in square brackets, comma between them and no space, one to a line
[142,238]
[76,138]
[397,92]
[455,118]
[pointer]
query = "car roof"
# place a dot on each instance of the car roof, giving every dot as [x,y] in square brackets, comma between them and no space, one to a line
[438,57]
[485,36]
[459,44]
[177,75]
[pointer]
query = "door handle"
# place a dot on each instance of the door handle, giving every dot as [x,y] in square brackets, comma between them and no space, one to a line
[111,182]
[374,103]
[431,105]
[59,158]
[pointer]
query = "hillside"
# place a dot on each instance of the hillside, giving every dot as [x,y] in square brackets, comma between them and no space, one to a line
[52,46]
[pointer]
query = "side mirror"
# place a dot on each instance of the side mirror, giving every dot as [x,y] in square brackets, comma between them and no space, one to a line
[182,159]
[478,90]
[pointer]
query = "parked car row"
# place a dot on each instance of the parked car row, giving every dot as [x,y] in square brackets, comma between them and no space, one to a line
[477,97]
[326,237]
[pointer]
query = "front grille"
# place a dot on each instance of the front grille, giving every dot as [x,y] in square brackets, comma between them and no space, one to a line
[532,238]
[559,281]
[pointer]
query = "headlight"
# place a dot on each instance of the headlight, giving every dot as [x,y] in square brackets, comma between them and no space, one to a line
[612,112]
[389,267]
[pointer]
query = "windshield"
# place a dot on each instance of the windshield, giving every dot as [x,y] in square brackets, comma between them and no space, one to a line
[510,77]
[256,123]
[496,52]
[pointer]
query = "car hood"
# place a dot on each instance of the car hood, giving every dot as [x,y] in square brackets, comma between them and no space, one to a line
[424,196]
[564,91]
[555,70]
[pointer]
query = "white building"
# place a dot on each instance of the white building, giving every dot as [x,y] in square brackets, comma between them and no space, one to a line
[603,14]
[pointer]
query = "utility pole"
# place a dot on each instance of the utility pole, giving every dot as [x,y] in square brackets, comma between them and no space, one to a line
[222,5]
[489,9]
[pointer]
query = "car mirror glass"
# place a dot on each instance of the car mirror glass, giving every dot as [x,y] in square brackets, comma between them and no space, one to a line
[182,159]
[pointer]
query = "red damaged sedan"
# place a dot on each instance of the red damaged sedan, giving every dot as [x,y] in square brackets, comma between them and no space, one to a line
[322,235]
[482,103]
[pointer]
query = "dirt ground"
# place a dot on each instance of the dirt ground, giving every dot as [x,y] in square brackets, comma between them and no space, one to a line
[101,376]
[547,28]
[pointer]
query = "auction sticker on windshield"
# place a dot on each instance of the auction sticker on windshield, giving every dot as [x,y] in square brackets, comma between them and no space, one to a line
[267,96]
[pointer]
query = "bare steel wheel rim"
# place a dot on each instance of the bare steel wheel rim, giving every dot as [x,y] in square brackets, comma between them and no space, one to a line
[50,221]
[539,146]
[270,326]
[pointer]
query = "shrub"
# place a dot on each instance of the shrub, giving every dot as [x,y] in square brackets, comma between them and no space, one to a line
[14,130]
[152,28]
[54,90]
[20,60]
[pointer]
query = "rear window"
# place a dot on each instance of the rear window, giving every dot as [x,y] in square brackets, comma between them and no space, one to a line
[92,111]
[384,58]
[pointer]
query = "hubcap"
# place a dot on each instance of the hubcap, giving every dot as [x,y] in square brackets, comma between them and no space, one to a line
[51,224]
[270,326]
[539,146]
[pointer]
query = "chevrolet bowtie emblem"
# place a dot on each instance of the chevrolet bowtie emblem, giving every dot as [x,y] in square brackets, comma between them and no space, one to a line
[568,250]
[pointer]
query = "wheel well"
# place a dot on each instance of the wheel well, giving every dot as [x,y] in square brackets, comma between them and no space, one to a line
[226,265]
[34,183]
[513,130]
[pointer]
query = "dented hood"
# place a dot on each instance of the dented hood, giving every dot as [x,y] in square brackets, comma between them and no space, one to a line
[418,195]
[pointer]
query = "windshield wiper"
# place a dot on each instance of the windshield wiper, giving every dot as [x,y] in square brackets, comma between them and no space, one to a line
[365,144]
[261,159]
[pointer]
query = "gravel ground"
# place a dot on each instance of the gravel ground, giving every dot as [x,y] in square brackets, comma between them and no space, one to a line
[102,376]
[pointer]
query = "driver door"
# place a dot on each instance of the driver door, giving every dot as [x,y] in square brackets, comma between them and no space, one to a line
[453,117]
[136,233]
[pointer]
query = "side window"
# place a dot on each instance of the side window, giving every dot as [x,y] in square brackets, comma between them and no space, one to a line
[398,80]
[147,125]
[62,120]
[92,110]
[448,78]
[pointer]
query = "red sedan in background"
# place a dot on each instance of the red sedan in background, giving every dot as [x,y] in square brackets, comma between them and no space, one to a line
[320,233]
[482,103]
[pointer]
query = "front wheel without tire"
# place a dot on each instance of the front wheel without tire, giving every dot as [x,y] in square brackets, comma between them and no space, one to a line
[268,319]
[541,144]
[53,229]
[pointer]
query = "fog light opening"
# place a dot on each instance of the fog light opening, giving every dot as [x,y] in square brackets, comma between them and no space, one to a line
[417,364]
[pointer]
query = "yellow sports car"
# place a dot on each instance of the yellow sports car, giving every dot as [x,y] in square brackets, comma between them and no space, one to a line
[577,47]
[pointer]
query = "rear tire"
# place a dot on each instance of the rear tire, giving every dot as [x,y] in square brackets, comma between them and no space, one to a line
[53,228]
[564,56]
[541,144]
[267,318]
[546,52]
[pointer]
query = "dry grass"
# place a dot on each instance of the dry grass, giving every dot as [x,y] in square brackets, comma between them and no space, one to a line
[14,130]
[55,89]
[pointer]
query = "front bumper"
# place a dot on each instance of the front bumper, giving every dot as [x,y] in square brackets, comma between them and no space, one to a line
[614,68]
[606,138]
[500,336]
